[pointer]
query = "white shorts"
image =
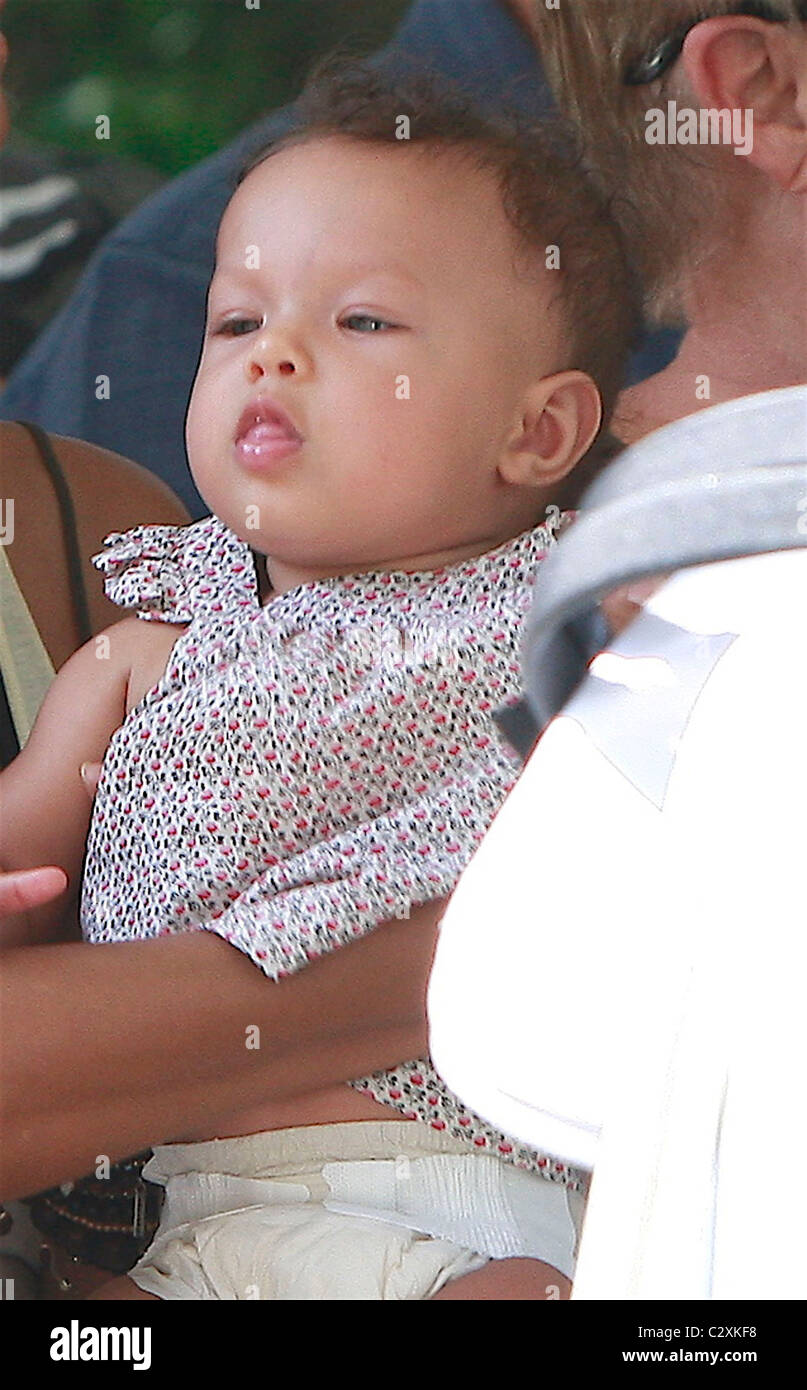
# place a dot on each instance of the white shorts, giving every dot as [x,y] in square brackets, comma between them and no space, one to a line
[368,1210]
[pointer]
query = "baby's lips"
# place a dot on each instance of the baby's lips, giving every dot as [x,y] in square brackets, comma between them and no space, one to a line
[264,413]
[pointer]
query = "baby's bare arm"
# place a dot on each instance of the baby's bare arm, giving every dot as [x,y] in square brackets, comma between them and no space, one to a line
[44,805]
[69,1031]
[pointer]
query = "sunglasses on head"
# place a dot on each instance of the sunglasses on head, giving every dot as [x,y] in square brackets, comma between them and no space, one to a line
[650,68]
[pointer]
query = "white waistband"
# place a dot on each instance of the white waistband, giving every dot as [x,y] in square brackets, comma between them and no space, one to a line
[473,1200]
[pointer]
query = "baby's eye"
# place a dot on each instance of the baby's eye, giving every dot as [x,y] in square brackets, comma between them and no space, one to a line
[366,323]
[237,328]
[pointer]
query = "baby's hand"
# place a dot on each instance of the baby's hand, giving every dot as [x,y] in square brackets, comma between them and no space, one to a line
[622,606]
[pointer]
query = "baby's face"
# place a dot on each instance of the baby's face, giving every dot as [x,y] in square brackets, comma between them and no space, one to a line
[367,346]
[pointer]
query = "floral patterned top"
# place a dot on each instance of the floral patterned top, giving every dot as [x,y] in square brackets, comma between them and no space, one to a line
[309,768]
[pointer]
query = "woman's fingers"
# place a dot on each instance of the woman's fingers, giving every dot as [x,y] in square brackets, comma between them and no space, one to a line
[90,772]
[28,888]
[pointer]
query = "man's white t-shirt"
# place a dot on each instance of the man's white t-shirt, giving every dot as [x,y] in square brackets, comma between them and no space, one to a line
[620,973]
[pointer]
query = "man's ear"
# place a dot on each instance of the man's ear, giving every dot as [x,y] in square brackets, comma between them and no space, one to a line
[558,421]
[749,65]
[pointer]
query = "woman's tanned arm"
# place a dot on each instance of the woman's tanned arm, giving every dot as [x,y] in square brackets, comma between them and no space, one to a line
[106,1049]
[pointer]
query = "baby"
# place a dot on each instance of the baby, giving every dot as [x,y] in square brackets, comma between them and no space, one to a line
[416,328]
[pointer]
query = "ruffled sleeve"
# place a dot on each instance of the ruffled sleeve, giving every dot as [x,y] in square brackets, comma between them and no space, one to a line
[170,574]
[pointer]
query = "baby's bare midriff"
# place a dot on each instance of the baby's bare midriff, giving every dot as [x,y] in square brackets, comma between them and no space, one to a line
[335,1105]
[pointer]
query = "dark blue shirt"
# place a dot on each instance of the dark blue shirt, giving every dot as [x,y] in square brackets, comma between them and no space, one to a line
[137,315]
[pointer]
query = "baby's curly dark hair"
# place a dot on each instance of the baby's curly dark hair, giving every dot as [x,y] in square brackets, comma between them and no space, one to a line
[546,193]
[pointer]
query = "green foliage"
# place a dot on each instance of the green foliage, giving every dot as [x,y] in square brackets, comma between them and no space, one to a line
[178,78]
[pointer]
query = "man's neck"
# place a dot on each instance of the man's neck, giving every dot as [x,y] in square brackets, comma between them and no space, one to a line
[747,309]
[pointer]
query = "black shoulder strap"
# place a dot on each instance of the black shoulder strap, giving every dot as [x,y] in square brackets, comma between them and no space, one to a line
[78,591]
[9,743]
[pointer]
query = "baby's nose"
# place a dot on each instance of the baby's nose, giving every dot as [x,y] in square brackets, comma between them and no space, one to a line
[258,369]
[270,357]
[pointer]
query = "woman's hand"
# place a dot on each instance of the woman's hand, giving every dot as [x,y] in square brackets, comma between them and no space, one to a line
[90,772]
[27,888]
[22,890]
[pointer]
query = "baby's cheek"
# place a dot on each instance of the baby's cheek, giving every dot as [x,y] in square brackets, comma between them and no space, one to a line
[192,433]
[207,398]
[205,427]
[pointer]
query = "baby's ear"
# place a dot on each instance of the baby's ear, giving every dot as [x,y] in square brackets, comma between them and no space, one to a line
[558,421]
[757,70]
